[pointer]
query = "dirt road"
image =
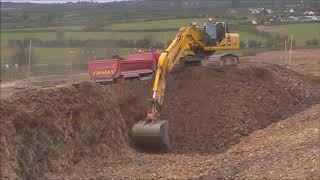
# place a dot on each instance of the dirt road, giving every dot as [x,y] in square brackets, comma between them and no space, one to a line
[11,87]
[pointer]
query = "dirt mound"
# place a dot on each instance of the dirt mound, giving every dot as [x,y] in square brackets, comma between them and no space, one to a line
[210,110]
[46,133]
[51,129]
[288,149]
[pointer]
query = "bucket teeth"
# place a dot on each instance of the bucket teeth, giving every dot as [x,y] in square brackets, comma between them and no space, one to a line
[151,135]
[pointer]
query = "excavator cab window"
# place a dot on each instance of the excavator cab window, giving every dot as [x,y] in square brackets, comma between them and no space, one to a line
[215,31]
[210,29]
[227,28]
[221,30]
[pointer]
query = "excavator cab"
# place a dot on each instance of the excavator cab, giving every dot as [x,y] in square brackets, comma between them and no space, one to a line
[215,32]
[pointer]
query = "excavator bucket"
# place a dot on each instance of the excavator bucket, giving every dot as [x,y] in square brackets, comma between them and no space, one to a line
[151,135]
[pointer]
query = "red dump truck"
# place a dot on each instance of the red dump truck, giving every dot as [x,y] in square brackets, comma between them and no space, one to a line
[139,66]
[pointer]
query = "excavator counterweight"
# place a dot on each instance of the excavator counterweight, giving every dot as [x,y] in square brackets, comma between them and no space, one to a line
[152,133]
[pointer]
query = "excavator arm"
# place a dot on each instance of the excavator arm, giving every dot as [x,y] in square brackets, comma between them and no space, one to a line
[186,39]
[153,132]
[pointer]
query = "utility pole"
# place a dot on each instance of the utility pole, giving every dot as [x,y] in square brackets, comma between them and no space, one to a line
[290,50]
[29,63]
[285,51]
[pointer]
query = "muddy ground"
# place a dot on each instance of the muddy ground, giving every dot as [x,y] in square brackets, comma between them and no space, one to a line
[254,121]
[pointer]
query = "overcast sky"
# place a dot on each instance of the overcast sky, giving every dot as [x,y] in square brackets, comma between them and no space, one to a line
[53,1]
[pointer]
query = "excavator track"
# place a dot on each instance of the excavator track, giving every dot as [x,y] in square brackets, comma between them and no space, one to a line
[220,60]
[216,60]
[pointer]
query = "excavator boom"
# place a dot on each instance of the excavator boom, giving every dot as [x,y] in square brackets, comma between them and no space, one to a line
[153,132]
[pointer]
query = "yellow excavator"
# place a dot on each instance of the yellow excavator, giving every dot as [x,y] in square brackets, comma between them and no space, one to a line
[152,133]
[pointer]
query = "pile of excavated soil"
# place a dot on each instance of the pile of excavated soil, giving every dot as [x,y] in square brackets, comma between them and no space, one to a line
[210,110]
[52,129]
[287,149]
[83,130]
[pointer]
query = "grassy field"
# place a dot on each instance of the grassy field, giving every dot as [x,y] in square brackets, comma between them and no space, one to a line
[148,25]
[160,24]
[62,55]
[5,36]
[157,36]
[48,55]
[46,28]
[246,36]
[301,32]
